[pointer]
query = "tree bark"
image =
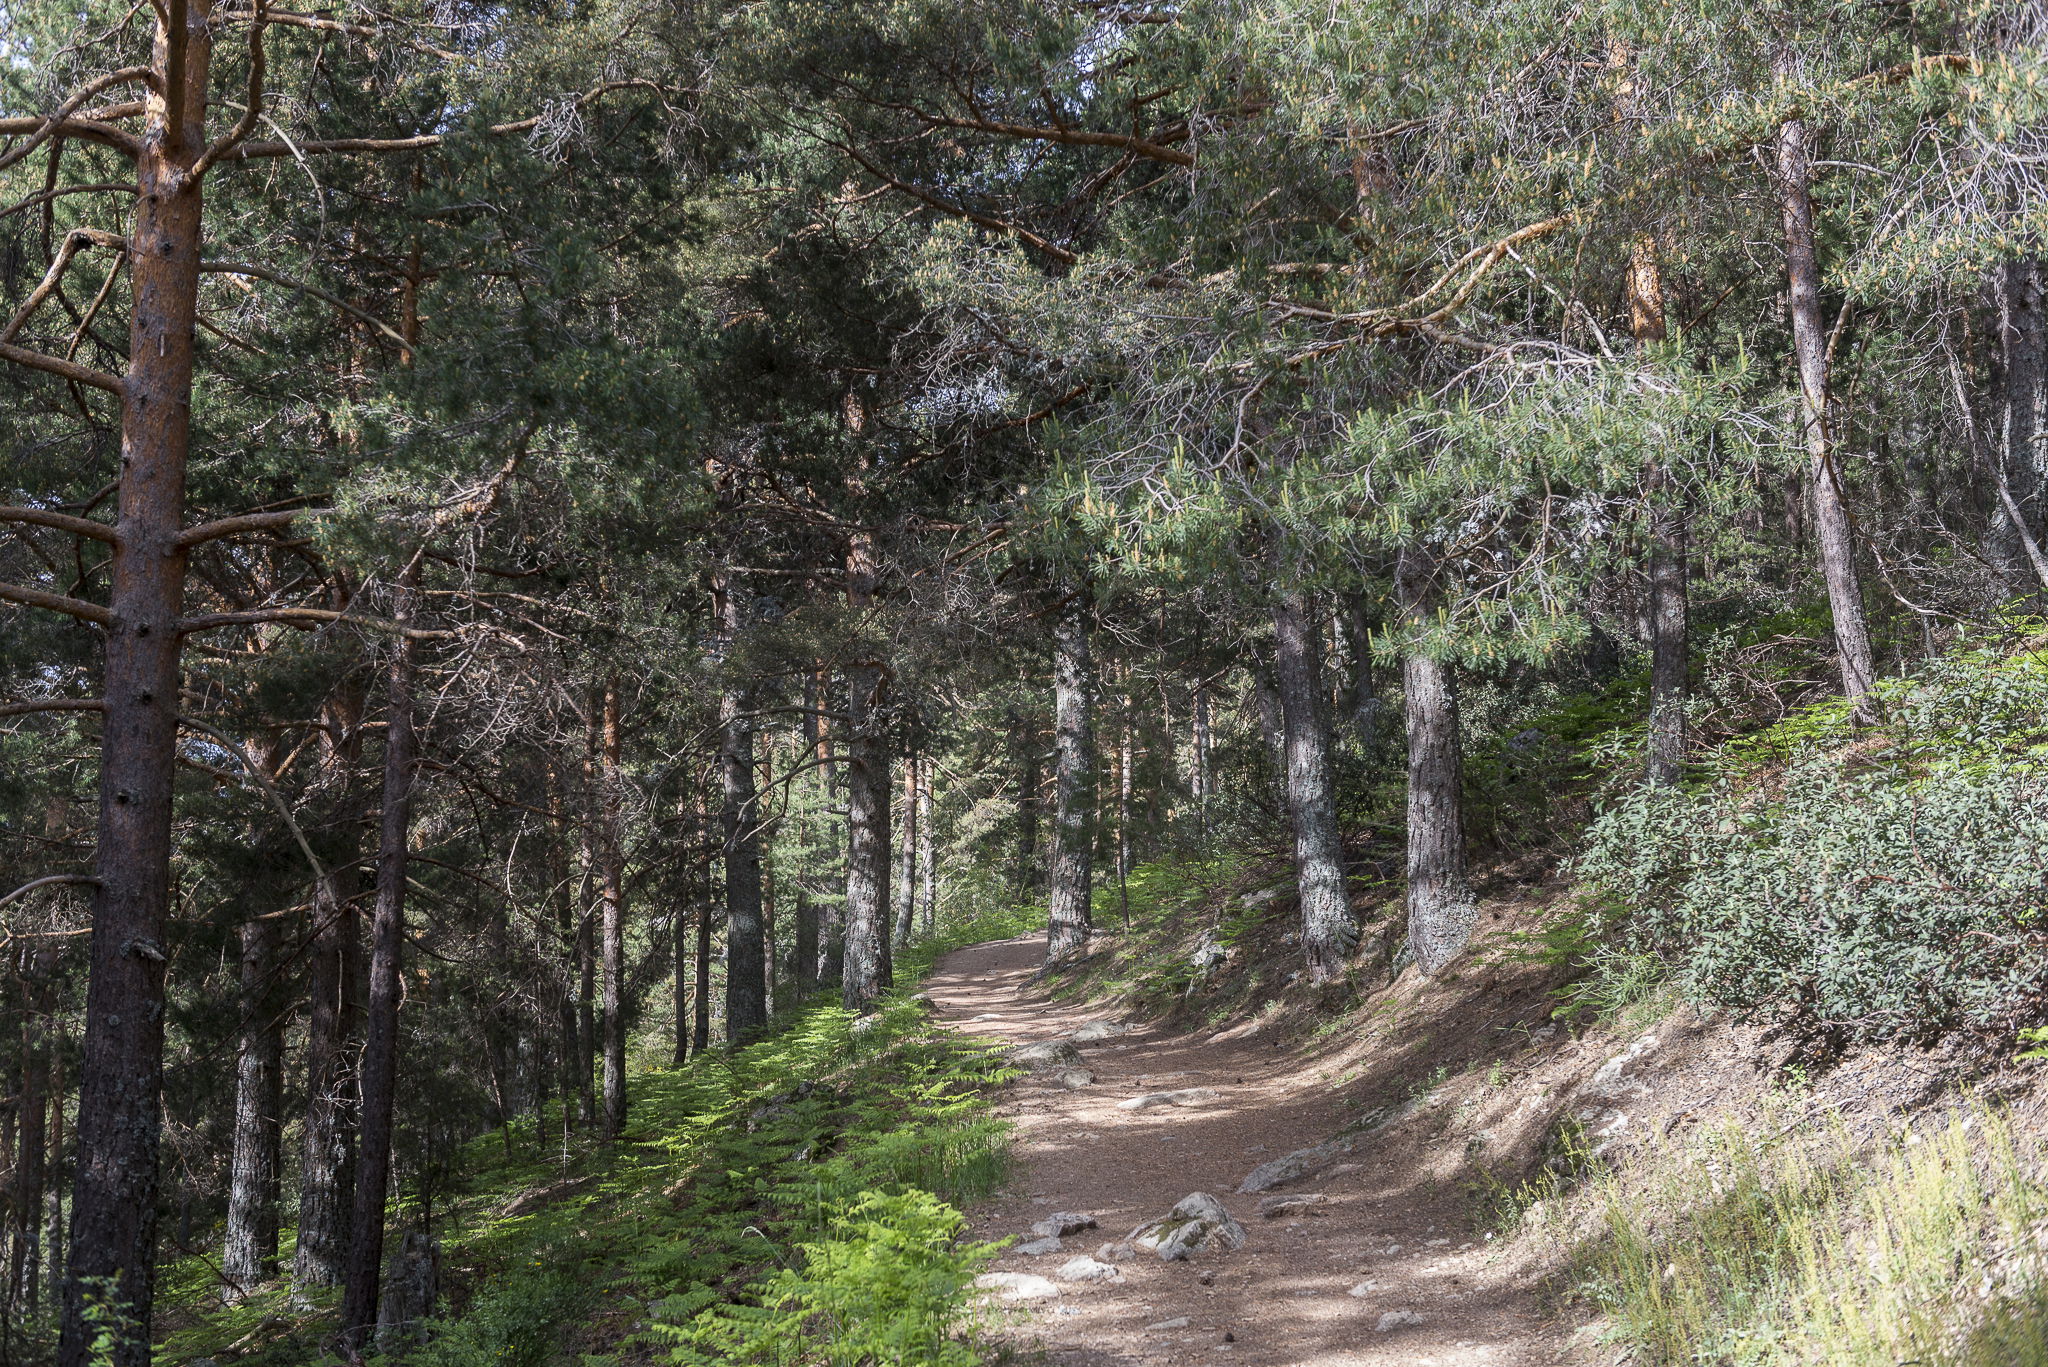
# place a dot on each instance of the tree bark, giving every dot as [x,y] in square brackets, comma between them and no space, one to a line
[1072,871]
[2023,355]
[868,970]
[1327,929]
[1024,734]
[746,957]
[379,1068]
[1441,911]
[1669,536]
[906,854]
[568,1050]
[612,895]
[1204,780]
[31,1167]
[249,1249]
[927,853]
[327,1149]
[1831,524]
[114,1196]
[1362,705]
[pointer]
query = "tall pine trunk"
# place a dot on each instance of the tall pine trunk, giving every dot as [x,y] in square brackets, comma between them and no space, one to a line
[1072,870]
[1669,537]
[906,854]
[114,1192]
[2023,356]
[1327,929]
[249,1249]
[1441,911]
[1831,527]
[746,945]
[927,853]
[379,1068]
[868,970]
[612,894]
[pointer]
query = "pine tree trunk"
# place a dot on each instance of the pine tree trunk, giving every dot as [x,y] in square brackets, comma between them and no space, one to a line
[1071,884]
[114,1196]
[746,965]
[1025,737]
[1362,705]
[700,987]
[1669,535]
[1327,929]
[927,853]
[379,1068]
[906,854]
[567,1050]
[612,894]
[586,967]
[1441,911]
[2023,354]
[868,970]
[249,1249]
[1830,496]
[25,1208]
[326,1155]
[1204,784]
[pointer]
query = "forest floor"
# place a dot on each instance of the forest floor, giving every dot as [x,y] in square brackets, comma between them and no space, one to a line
[1391,1244]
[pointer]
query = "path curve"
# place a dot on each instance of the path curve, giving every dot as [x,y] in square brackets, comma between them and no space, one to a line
[1285,1299]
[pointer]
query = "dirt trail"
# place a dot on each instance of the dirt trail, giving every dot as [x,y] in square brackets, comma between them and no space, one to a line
[1284,1300]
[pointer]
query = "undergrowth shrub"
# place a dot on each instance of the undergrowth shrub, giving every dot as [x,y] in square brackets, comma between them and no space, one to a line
[1877,885]
[887,1284]
[1785,1243]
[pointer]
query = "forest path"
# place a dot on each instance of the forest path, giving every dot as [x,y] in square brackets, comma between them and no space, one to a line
[1284,1299]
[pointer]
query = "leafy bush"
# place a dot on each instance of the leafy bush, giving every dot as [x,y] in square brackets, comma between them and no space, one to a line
[887,1284]
[1880,885]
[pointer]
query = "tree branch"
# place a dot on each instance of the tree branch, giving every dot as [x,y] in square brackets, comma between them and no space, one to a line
[234,526]
[35,883]
[252,111]
[22,709]
[276,278]
[70,370]
[39,129]
[1056,252]
[46,196]
[248,151]
[47,286]
[1076,137]
[308,617]
[63,522]
[56,602]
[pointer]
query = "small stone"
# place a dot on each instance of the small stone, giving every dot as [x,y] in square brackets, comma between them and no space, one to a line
[1121,1252]
[1086,1269]
[1294,1166]
[1063,1222]
[1207,1279]
[1197,1219]
[1038,1248]
[1273,1207]
[1094,1031]
[1074,1079]
[1052,1053]
[1177,1322]
[1228,1337]
[1186,1096]
[1434,1243]
[1392,1249]
[1363,1289]
[1397,1319]
[1017,1286]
